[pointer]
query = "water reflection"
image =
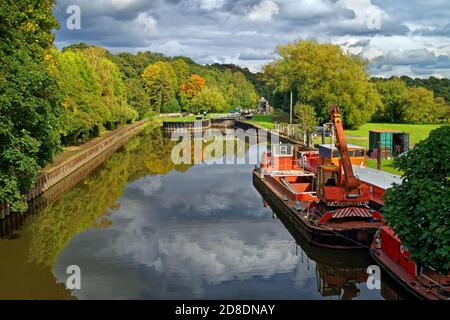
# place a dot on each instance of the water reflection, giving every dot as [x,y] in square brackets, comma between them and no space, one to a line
[141,227]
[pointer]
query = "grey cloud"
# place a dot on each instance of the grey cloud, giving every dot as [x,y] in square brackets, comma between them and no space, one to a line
[417,11]
[407,57]
[421,62]
[438,31]
[306,12]
[360,28]
[253,54]
[219,30]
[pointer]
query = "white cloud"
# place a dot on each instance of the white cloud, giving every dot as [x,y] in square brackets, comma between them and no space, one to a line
[147,23]
[264,11]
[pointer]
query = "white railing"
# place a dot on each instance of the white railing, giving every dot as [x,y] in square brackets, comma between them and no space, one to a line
[292,131]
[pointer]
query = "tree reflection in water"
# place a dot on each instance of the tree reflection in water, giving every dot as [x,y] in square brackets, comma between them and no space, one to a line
[179,232]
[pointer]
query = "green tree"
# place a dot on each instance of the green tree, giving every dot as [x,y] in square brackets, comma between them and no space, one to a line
[418,210]
[172,106]
[138,98]
[112,88]
[210,100]
[421,106]
[83,111]
[394,93]
[132,65]
[321,75]
[95,94]
[161,84]
[442,110]
[181,69]
[30,100]
[440,87]
[241,92]
[306,117]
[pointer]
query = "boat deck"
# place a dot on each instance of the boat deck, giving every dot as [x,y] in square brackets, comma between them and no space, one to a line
[333,224]
[377,178]
[291,173]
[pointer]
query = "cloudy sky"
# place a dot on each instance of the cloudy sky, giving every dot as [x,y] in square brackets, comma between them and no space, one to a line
[410,37]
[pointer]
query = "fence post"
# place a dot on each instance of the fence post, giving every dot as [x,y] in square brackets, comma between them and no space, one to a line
[378,155]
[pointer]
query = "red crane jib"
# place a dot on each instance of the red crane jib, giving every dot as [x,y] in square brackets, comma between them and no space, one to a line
[351,184]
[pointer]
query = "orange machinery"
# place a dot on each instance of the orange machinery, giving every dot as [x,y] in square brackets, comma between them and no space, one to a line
[337,186]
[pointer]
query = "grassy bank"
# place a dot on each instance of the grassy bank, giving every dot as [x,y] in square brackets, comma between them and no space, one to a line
[179,119]
[360,136]
[386,165]
[417,132]
[190,118]
[267,120]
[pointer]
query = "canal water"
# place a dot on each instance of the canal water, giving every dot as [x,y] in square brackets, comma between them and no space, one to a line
[140,227]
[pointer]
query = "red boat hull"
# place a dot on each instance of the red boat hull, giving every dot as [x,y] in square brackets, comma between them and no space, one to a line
[349,235]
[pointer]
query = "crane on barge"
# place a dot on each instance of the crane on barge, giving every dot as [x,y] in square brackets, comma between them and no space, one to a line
[341,194]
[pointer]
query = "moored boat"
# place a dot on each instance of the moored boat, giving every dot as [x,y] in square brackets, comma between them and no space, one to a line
[290,190]
[329,204]
[423,282]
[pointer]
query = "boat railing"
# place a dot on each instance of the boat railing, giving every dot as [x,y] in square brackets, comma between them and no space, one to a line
[441,282]
[277,165]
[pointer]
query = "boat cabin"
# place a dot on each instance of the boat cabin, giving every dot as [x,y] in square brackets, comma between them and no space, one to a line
[281,166]
[280,158]
[329,154]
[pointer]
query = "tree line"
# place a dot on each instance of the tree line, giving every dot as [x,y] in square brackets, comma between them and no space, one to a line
[51,98]
[102,90]
[319,75]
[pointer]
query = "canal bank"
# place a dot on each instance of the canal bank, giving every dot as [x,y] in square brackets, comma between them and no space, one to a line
[75,157]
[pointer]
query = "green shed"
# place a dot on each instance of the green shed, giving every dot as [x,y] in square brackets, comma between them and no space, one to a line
[392,142]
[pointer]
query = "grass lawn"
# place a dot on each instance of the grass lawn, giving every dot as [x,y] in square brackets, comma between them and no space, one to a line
[360,137]
[267,120]
[180,119]
[386,165]
[417,132]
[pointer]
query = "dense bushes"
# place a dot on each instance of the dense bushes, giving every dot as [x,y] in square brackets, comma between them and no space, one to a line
[418,209]
[30,102]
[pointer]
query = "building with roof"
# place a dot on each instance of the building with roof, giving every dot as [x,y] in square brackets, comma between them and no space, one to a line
[264,106]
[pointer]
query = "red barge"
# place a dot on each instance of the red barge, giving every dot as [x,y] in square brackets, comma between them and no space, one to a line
[422,282]
[329,205]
